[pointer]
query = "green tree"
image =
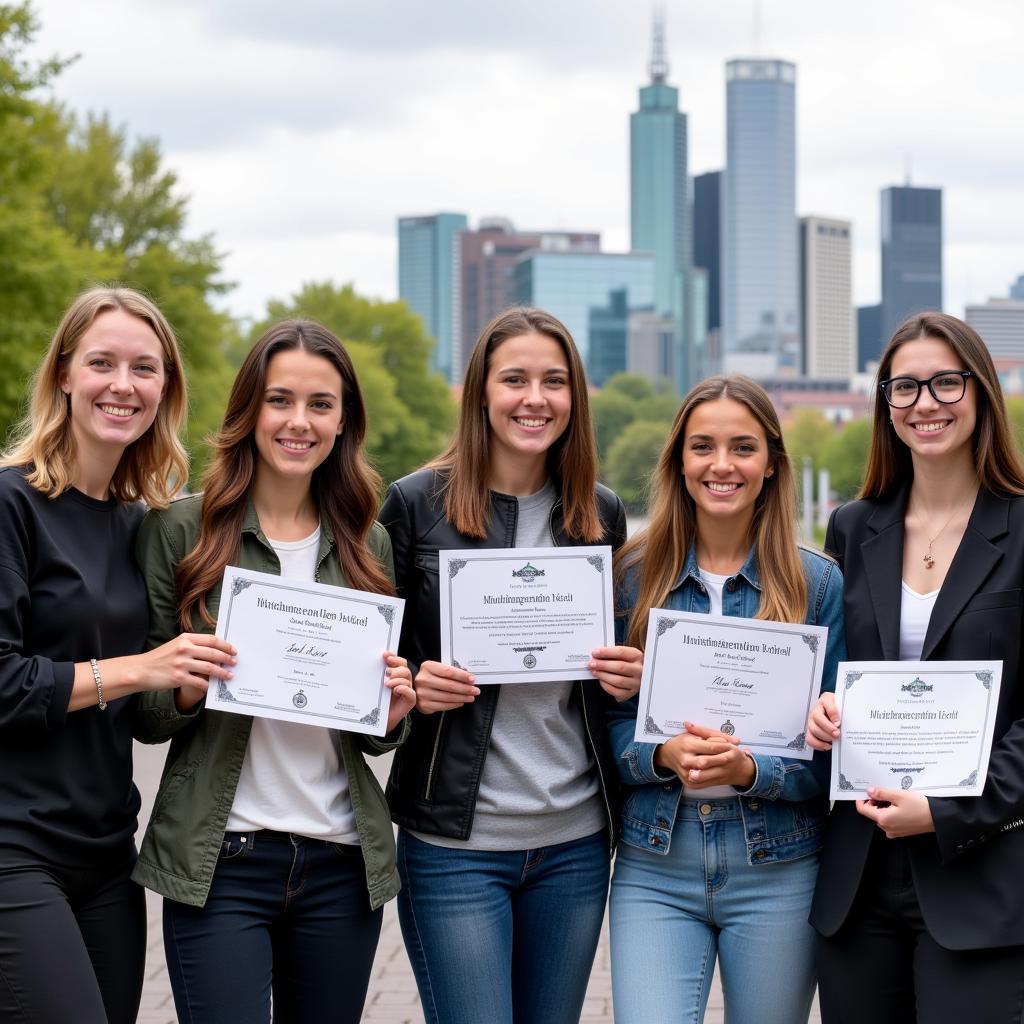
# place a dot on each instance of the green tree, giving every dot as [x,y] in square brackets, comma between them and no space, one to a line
[612,411]
[1015,407]
[807,435]
[845,456]
[409,425]
[632,459]
[633,385]
[115,198]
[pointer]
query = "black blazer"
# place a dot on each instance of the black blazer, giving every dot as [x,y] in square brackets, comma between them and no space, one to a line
[969,875]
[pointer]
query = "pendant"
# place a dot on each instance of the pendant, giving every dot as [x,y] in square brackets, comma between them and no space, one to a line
[928,560]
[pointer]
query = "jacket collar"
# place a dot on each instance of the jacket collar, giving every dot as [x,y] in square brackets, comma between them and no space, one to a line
[882,552]
[251,524]
[690,570]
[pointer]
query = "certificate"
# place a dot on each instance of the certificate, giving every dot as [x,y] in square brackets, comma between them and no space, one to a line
[745,677]
[919,725]
[525,615]
[307,652]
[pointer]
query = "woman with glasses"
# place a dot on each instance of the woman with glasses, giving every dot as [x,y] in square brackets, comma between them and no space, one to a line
[919,906]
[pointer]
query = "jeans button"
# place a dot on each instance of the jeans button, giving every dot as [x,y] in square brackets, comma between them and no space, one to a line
[754,805]
[663,822]
[761,854]
[705,808]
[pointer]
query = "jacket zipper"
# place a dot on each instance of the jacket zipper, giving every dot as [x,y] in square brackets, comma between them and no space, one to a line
[597,768]
[428,789]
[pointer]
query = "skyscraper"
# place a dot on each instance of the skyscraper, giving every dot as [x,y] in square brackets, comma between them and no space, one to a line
[428,280]
[760,289]
[488,256]
[826,298]
[707,239]
[911,253]
[659,203]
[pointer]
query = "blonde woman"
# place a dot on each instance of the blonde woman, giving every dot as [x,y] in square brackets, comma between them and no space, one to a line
[101,437]
[719,847]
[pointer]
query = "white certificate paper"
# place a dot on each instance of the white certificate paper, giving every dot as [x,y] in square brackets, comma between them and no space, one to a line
[307,652]
[745,677]
[525,615]
[925,726]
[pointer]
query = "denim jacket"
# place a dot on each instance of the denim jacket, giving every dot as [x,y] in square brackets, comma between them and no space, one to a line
[784,810]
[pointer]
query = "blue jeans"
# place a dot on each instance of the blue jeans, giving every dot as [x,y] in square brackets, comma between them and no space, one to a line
[497,938]
[672,915]
[287,917]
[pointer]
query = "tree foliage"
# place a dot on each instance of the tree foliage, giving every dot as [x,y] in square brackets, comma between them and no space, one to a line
[845,456]
[632,459]
[410,409]
[80,204]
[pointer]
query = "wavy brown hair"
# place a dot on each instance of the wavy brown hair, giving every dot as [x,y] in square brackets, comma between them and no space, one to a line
[345,488]
[996,456]
[571,460]
[153,466]
[657,554]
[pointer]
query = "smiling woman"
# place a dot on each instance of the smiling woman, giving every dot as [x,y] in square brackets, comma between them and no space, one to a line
[292,905]
[102,432]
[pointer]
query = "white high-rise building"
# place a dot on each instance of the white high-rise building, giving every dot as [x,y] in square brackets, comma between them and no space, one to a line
[1000,322]
[829,332]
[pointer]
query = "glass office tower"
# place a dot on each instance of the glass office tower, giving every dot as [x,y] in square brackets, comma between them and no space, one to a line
[760,251]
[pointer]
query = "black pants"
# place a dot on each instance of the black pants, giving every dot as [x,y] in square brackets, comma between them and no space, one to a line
[287,918]
[882,966]
[72,943]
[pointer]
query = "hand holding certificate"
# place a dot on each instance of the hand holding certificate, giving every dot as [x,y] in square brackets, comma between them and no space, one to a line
[750,678]
[924,726]
[307,652]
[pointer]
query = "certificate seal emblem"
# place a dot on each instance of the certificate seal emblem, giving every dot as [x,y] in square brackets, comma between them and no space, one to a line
[728,729]
[906,782]
[530,661]
[300,700]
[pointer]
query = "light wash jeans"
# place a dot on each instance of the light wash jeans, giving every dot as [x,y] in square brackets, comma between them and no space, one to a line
[672,915]
[497,938]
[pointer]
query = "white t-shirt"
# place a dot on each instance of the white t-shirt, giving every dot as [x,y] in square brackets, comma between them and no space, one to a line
[915,614]
[293,779]
[715,585]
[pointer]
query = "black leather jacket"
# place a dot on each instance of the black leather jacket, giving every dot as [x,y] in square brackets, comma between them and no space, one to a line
[436,773]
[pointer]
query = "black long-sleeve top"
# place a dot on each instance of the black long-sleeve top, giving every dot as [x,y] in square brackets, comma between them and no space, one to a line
[69,591]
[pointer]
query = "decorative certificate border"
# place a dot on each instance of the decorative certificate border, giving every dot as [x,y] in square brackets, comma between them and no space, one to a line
[983,676]
[599,561]
[387,612]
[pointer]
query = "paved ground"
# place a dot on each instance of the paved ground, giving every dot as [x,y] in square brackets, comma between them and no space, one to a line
[392,997]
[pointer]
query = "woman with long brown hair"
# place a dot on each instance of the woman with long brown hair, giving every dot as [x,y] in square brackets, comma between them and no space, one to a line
[271,841]
[505,795]
[921,897]
[719,846]
[101,436]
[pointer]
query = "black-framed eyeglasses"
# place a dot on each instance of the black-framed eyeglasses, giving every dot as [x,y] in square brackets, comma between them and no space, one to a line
[946,387]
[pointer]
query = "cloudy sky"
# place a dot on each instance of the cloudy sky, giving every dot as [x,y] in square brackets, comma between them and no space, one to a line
[302,129]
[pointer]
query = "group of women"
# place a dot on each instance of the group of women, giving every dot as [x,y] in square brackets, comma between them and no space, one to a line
[272,843]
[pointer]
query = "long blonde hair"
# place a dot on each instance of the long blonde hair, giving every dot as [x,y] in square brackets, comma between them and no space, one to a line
[571,461]
[657,554]
[153,466]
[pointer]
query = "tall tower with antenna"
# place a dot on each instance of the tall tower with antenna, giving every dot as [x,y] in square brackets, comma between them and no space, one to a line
[660,217]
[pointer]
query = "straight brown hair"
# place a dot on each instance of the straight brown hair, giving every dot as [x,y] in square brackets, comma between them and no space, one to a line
[996,456]
[571,460]
[657,554]
[345,488]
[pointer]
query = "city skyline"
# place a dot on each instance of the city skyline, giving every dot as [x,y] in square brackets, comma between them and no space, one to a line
[337,120]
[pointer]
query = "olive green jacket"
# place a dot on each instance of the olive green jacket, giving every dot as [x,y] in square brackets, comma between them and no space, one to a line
[183,842]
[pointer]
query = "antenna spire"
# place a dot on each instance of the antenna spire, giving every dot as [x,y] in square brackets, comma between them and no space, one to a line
[659,61]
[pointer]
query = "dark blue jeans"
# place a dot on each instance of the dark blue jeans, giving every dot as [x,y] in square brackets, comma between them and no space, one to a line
[288,918]
[497,938]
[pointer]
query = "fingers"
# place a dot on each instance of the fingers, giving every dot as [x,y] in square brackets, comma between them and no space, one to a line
[619,688]
[214,642]
[443,687]
[827,701]
[703,732]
